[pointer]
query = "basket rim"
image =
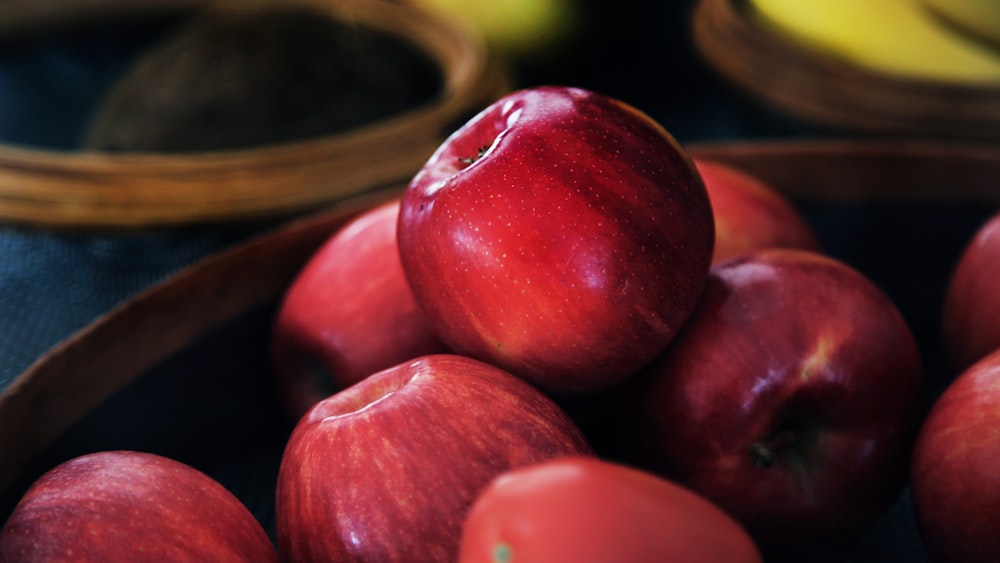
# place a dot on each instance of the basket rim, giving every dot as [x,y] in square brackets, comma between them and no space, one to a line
[90,189]
[822,89]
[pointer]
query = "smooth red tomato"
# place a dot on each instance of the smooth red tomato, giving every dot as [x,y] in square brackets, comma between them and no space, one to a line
[579,510]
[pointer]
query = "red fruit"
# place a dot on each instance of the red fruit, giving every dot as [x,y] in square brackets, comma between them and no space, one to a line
[348,314]
[954,479]
[791,398]
[584,509]
[385,470]
[131,506]
[750,215]
[561,235]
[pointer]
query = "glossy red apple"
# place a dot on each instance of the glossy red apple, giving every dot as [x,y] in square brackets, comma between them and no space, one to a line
[131,506]
[751,215]
[791,398]
[348,314]
[385,470]
[559,234]
[583,509]
[954,481]
[971,313]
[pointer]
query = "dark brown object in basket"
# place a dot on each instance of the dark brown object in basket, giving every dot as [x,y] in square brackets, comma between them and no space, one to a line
[240,77]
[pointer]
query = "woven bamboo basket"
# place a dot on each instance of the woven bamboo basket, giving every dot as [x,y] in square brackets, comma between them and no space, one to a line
[181,369]
[90,189]
[826,91]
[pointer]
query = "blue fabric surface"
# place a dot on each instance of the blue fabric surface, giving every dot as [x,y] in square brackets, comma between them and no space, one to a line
[52,284]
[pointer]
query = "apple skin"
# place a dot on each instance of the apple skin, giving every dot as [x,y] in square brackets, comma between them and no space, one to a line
[131,506]
[749,214]
[348,314]
[385,470]
[791,399]
[559,234]
[584,509]
[954,480]
[971,309]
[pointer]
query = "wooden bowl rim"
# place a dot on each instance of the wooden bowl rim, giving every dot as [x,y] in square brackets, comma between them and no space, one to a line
[822,89]
[89,189]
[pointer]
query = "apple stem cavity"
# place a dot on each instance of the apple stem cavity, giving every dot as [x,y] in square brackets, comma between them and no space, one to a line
[479,154]
[764,453]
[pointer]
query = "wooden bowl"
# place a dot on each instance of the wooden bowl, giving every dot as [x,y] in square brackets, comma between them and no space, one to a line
[89,189]
[823,90]
[182,368]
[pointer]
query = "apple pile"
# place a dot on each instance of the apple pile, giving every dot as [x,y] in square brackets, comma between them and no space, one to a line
[566,239]
[569,340]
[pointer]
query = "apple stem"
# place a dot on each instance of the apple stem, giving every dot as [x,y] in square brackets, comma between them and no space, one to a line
[479,154]
[761,455]
[766,452]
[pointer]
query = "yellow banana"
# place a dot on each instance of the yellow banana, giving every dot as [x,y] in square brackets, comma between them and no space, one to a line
[979,17]
[519,27]
[898,37]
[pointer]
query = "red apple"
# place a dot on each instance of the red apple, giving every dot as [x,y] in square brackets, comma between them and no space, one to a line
[971,313]
[954,480]
[749,214]
[585,509]
[791,398]
[385,470]
[131,506]
[561,235]
[348,314]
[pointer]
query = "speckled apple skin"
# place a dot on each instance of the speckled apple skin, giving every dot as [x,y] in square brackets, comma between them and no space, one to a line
[560,234]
